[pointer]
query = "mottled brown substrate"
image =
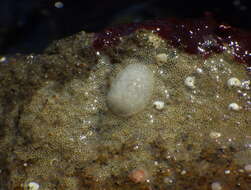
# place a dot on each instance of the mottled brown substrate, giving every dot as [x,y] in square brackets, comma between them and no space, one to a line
[57,130]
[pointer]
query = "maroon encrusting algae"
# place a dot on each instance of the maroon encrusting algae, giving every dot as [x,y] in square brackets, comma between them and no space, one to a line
[201,36]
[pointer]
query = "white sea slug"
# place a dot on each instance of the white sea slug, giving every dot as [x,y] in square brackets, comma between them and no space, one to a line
[131,90]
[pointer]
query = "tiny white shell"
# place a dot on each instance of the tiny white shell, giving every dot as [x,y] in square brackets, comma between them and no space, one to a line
[190,82]
[159,105]
[234,106]
[216,186]
[33,186]
[215,135]
[161,58]
[233,82]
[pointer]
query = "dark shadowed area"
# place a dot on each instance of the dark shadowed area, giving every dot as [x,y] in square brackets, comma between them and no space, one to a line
[28,26]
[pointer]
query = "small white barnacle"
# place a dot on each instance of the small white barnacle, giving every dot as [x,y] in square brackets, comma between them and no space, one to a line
[246,84]
[161,58]
[234,106]
[159,105]
[131,89]
[32,186]
[216,186]
[199,70]
[215,135]
[233,82]
[190,82]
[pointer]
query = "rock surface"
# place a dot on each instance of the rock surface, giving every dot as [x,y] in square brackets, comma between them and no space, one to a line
[57,131]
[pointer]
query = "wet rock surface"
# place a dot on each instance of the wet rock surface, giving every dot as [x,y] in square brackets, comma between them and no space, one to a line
[58,132]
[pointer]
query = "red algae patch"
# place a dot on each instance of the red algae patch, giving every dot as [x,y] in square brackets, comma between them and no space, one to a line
[202,36]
